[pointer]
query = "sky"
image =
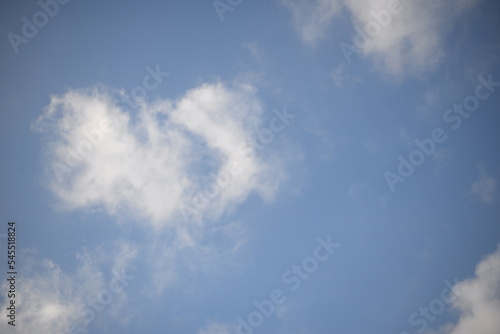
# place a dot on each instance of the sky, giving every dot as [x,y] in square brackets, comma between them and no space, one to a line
[238,167]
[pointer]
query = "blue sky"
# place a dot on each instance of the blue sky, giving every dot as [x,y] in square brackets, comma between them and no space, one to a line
[284,166]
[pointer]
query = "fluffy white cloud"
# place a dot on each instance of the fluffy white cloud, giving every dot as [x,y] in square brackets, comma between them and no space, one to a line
[411,41]
[478,300]
[174,165]
[51,300]
[194,156]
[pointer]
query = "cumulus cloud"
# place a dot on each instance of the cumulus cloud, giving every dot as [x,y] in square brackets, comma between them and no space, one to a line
[484,187]
[478,300]
[174,165]
[164,161]
[411,41]
[52,300]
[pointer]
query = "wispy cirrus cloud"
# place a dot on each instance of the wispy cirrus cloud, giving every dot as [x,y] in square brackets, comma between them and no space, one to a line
[254,49]
[311,19]
[484,187]
[218,328]
[410,39]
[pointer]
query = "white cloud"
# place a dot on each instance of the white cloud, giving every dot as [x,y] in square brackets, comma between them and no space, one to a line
[312,18]
[217,328]
[177,166]
[254,50]
[338,76]
[50,300]
[412,42]
[192,256]
[478,300]
[154,161]
[484,187]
